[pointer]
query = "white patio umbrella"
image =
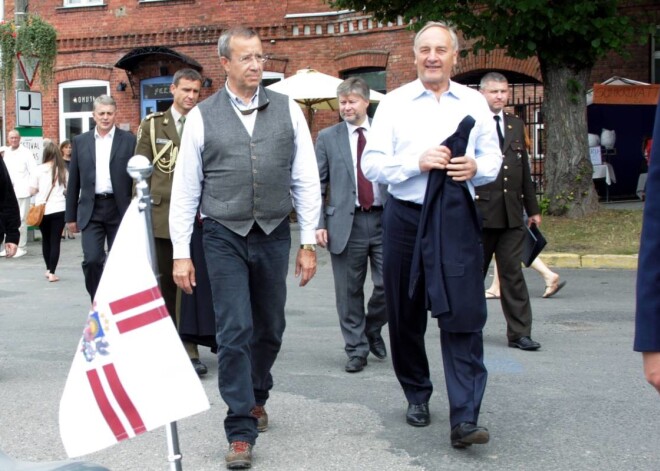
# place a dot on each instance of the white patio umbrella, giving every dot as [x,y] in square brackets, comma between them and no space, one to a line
[314,91]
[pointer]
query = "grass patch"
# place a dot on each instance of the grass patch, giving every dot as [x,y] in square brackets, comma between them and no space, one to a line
[605,232]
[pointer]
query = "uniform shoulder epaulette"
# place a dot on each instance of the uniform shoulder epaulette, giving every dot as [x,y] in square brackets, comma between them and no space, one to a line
[511,114]
[155,114]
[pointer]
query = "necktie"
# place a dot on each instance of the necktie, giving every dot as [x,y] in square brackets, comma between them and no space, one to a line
[499,131]
[365,188]
[182,122]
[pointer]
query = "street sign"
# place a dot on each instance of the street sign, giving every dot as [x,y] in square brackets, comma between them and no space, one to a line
[28,109]
[28,66]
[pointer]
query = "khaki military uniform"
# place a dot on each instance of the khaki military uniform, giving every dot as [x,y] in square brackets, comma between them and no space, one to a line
[158,140]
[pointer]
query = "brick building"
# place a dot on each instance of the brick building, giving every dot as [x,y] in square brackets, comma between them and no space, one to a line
[130,49]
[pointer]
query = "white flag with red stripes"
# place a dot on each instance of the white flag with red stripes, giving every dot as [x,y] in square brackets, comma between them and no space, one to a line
[130,373]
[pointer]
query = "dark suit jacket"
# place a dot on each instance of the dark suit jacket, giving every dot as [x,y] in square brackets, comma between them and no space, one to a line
[501,202]
[10,217]
[337,173]
[160,183]
[448,256]
[647,319]
[82,175]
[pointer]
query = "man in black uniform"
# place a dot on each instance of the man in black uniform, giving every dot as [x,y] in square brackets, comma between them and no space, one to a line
[501,205]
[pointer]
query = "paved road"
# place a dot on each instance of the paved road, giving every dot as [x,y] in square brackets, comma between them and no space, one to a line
[580,403]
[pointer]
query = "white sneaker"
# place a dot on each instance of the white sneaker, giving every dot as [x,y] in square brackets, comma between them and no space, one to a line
[20,252]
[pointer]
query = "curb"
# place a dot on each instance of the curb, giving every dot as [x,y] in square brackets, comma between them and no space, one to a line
[572,260]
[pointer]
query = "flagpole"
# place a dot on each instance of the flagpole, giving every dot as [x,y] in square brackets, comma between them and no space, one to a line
[140,168]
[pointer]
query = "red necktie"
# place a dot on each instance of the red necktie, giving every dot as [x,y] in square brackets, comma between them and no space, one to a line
[365,188]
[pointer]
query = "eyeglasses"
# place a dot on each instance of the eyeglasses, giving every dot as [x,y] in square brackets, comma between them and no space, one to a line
[248,58]
[250,110]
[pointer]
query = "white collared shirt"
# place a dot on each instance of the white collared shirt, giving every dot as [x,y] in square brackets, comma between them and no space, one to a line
[188,179]
[411,120]
[248,120]
[500,123]
[103,149]
[21,167]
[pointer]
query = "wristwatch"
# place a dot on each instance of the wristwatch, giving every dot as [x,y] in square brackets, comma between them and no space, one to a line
[311,247]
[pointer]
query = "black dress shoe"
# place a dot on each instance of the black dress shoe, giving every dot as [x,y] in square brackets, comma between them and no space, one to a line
[418,415]
[377,346]
[355,364]
[524,343]
[467,433]
[200,368]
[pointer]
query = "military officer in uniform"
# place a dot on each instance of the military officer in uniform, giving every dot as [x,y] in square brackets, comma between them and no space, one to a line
[159,138]
[501,205]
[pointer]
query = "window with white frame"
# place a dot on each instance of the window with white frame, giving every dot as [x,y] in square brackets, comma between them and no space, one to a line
[76,101]
[82,3]
[269,78]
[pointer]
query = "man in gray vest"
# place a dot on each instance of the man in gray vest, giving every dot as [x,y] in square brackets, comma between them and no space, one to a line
[246,153]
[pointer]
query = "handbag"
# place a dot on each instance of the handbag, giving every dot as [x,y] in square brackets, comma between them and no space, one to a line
[36,212]
[35,215]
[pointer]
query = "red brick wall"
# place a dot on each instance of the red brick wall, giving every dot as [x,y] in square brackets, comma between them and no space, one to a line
[93,39]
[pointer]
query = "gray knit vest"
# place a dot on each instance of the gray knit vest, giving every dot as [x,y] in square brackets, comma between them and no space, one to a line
[247,179]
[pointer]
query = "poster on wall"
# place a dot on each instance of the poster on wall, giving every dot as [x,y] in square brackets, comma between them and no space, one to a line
[32,139]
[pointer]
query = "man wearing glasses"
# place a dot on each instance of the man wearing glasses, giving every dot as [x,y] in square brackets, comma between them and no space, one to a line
[245,154]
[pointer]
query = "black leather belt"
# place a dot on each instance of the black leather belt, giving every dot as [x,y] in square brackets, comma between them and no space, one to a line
[104,196]
[408,204]
[370,210]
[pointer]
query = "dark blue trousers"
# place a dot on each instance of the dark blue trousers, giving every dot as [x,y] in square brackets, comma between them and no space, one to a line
[462,353]
[101,229]
[248,286]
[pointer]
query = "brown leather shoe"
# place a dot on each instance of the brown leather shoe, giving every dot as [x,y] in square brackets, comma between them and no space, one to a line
[262,418]
[239,455]
[466,434]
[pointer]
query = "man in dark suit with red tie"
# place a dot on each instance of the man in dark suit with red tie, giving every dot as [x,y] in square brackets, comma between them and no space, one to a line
[501,205]
[647,321]
[99,189]
[350,226]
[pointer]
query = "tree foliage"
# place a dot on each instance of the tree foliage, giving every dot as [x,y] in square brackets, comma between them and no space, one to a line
[572,34]
[567,38]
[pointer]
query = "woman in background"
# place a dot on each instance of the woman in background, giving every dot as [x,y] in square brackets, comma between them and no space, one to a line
[51,178]
[66,148]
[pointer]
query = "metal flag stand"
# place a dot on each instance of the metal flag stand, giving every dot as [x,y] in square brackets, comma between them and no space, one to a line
[140,168]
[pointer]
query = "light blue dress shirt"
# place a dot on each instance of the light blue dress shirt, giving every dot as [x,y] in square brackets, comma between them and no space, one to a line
[411,120]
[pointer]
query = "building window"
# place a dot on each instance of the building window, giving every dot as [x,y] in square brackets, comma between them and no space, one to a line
[269,78]
[82,3]
[76,101]
[655,58]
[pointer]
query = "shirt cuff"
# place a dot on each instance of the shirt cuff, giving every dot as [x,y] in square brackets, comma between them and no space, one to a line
[181,251]
[308,237]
